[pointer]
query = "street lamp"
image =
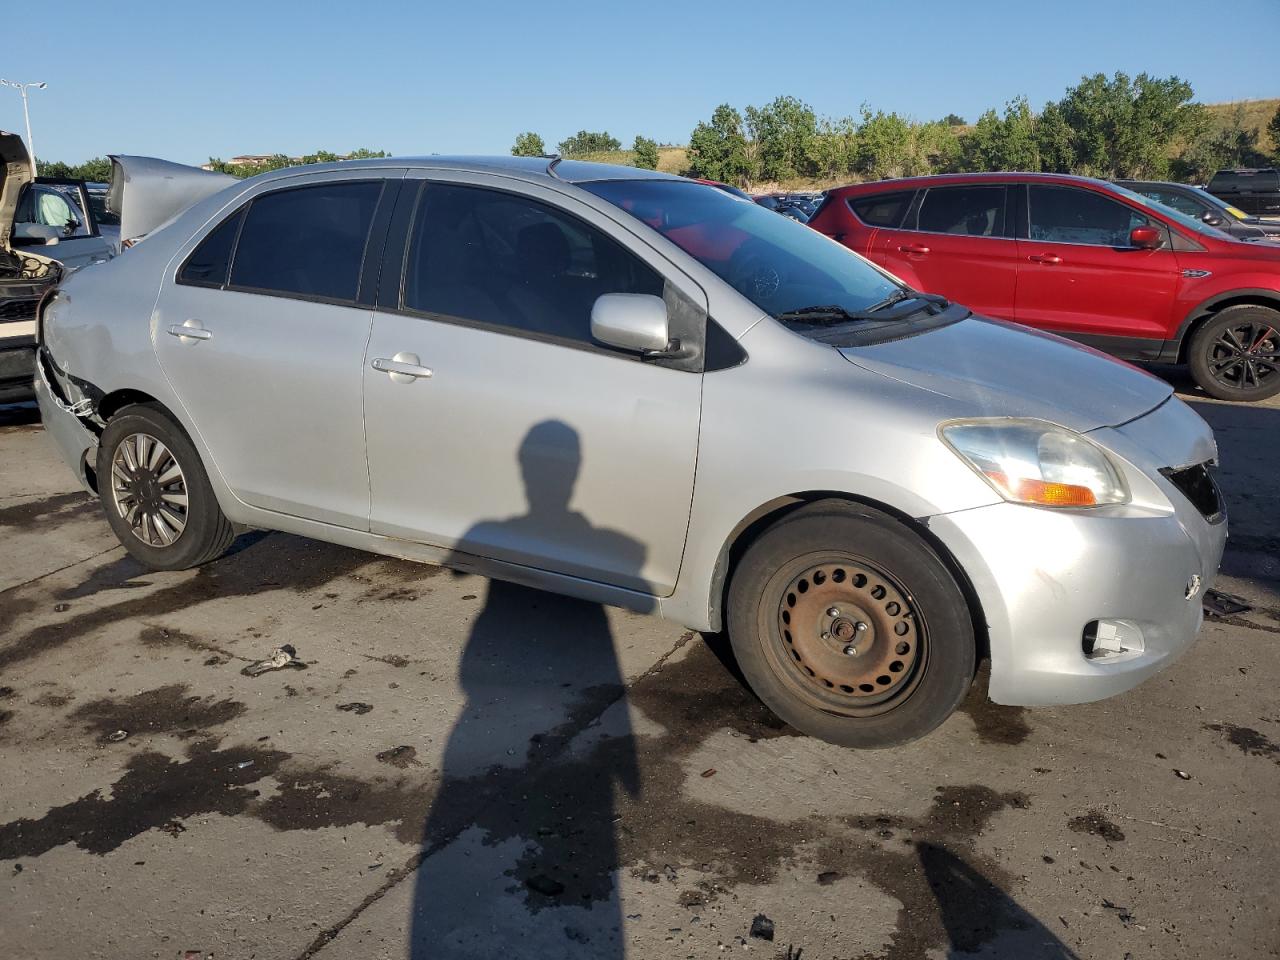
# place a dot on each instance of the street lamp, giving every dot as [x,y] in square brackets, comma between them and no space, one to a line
[26,115]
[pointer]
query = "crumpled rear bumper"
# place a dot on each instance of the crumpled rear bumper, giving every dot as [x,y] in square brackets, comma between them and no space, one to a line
[77,444]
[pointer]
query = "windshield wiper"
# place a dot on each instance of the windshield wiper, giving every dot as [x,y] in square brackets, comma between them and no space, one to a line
[824,314]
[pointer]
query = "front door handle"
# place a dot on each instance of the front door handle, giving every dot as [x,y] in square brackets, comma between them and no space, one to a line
[402,368]
[190,331]
[913,248]
[1050,258]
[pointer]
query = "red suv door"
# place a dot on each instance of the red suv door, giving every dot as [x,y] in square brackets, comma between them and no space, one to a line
[956,242]
[1079,275]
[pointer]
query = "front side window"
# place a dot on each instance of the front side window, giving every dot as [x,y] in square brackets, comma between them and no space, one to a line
[882,210]
[1070,215]
[307,241]
[966,211]
[46,207]
[509,261]
[778,264]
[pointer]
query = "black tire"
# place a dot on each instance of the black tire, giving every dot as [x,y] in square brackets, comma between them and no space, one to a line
[918,628]
[1226,367]
[205,533]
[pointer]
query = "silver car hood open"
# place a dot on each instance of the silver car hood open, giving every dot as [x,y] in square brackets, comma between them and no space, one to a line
[1003,369]
[17,174]
[146,192]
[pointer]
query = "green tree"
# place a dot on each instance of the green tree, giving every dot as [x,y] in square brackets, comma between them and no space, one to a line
[1003,143]
[786,134]
[528,144]
[884,144]
[934,148]
[835,151]
[1054,140]
[953,120]
[586,141]
[718,149]
[1273,131]
[646,152]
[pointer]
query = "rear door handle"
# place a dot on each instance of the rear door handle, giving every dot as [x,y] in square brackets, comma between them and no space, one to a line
[402,368]
[189,331]
[1049,258]
[913,248]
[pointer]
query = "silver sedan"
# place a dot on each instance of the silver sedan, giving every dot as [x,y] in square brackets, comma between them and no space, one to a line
[642,391]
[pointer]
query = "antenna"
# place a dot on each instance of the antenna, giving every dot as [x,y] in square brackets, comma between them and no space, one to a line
[555,158]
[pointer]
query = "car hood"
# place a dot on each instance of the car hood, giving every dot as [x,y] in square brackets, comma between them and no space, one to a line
[17,174]
[146,192]
[1002,369]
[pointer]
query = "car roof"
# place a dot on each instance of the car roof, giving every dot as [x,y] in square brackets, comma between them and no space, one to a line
[547,169]
[953,179]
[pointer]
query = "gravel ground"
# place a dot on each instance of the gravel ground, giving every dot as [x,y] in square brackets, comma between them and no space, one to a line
[474,770]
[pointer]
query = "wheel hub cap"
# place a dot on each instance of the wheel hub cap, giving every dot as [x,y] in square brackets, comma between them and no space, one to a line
[149,490]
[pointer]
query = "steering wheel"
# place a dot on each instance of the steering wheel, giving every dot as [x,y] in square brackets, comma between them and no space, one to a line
[754,272]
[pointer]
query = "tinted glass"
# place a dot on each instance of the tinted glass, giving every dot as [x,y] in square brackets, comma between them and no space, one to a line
[1177,201]
[967,211]
[1068,215]
[207,265]
[884,210]
[307,241]
[775,262]
[505,260]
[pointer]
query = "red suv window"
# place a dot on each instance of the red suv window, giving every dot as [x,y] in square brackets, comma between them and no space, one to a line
[883,209]
[965,211]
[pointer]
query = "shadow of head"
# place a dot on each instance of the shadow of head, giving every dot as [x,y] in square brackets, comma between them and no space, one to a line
[550,457]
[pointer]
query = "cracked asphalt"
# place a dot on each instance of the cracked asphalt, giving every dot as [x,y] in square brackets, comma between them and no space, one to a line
[469,769]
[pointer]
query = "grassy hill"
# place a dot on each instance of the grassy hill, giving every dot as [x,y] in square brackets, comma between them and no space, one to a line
[1254,115]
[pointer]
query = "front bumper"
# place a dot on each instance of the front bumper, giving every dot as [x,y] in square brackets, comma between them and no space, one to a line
[17,363]
[1041,576]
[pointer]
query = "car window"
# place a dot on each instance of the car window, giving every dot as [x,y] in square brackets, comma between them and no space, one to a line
[49,207]
[1176,201]
[1069,215]
[509,261]
[307,241]
[882,210]
[968,211]
[207,265]
[1224,180]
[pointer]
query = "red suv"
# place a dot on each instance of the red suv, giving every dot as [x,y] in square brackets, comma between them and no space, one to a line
[1083,258]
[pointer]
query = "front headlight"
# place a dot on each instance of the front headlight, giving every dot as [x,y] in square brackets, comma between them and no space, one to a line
[1030,461]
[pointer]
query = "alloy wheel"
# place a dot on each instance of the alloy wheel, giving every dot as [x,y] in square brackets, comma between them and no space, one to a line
[1245,355]
[149,490]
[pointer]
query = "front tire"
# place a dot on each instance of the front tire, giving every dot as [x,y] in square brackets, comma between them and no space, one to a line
[155,492]
[1235,355]
[850,627]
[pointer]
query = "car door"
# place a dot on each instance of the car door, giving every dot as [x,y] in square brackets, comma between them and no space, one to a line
[1079,275]
[514,435]
[57,210]
[262,334]
[956,242]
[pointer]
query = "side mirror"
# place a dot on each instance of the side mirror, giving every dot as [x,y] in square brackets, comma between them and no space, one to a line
[631,321]
[1145,238]
[36,233]
[1211,218]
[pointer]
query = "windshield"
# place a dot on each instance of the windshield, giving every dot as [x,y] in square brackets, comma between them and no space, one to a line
[1191,223]
[778,264]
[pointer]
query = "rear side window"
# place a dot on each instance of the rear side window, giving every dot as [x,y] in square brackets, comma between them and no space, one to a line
[966,211]
[1257,181]
[208,263]
[1069,215]
[307,241]
[882,210]
[508,261]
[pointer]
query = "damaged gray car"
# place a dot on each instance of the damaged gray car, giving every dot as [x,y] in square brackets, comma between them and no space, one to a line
[635,389]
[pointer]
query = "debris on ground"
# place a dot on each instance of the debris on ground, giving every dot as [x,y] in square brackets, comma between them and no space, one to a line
[61,607]
[762,927]
[828,877]
[1218,604]
[541,883]
[359,709]
[709,772]
[401,756]
[1182,775]
[282,658]
[117,736]
[173,828]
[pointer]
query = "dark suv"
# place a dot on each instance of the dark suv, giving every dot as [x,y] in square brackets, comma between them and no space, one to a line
[1255,191]
[1198,203]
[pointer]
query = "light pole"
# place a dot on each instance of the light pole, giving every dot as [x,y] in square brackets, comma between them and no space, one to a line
[26,114]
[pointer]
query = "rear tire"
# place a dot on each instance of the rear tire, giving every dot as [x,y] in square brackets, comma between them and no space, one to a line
[155,492]
[850,627]
[1235,355]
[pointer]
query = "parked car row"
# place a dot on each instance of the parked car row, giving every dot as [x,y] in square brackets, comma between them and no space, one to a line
[513,367]
[1090,260]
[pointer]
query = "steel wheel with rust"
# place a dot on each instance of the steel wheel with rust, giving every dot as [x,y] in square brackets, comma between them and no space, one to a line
[850,627]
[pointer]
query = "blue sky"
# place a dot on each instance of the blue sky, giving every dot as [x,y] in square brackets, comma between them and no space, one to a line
[184,82]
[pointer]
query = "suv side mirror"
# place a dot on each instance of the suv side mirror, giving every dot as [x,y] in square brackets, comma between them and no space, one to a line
[631,321]
[1145,238]
[1211,218]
